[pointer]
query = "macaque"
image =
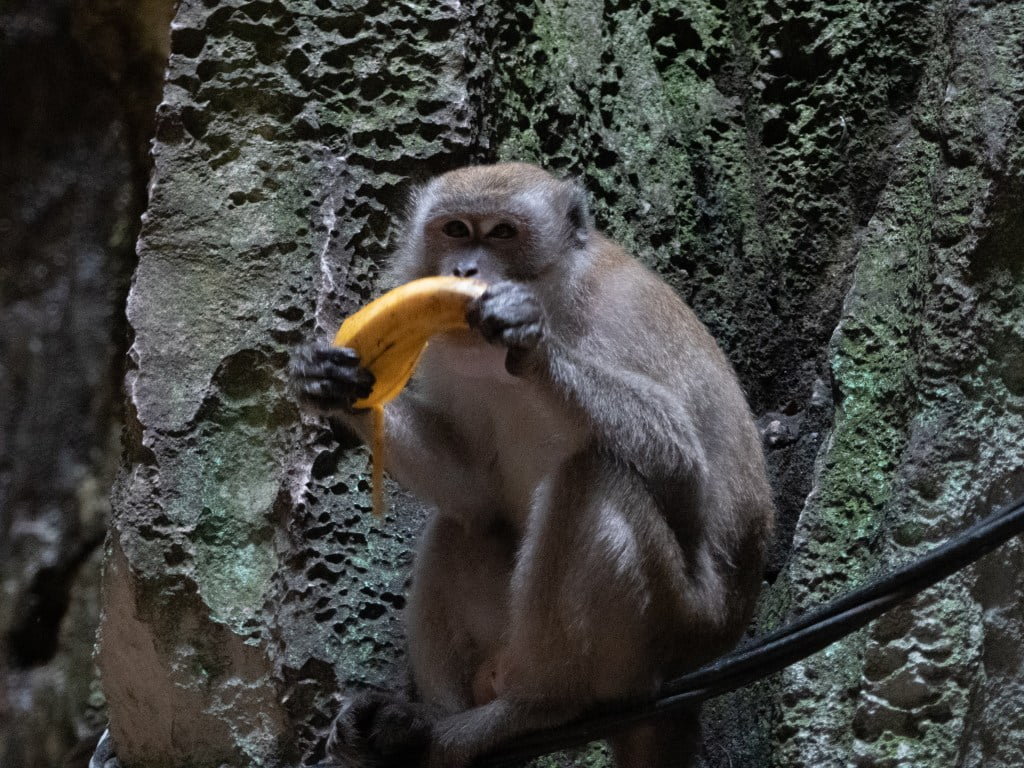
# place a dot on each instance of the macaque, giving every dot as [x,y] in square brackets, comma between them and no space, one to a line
[602,510]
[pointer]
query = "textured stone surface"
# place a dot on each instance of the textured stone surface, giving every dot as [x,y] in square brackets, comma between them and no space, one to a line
[78,84]
[251,577]
[836,188]
[928,434]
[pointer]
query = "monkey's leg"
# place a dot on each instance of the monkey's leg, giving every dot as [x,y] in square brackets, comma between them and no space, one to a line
[592,594]
[458,610]
[456,615]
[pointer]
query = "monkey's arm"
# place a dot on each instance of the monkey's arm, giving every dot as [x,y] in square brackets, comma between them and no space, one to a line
[638,417]
[426,453]
[423,450]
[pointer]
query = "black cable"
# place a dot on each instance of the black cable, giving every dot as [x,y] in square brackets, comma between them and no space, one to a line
[800,638]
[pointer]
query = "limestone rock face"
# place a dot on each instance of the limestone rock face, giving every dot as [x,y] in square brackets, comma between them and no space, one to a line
[837,190]
[246,574]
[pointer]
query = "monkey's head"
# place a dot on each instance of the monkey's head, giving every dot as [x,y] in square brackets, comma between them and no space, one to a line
[510,221]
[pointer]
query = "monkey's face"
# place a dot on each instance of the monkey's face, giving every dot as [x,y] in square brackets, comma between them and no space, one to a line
[509,221]
[488,246]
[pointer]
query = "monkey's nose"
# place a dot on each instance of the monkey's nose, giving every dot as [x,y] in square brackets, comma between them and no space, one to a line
[466,269]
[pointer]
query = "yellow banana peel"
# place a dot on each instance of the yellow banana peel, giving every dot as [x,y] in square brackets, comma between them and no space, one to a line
[389,335]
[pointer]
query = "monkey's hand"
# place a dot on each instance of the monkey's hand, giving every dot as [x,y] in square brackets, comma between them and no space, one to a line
[378,729]
[329,378]
[509,314]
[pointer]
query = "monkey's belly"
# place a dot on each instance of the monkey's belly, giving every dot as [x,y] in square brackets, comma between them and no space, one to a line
[527,430]
[535,438]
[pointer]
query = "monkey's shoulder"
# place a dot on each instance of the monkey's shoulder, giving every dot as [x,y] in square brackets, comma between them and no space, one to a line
[639,313]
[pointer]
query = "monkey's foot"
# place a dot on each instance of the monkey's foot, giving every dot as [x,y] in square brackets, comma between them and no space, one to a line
[379,729]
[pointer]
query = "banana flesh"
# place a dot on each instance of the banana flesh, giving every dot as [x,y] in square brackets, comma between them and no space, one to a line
[389,335]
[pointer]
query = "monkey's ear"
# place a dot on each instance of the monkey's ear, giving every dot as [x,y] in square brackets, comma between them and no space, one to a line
[578,213]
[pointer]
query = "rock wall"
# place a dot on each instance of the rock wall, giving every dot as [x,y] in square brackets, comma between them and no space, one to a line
[246,573]
[927,372]
[836,188]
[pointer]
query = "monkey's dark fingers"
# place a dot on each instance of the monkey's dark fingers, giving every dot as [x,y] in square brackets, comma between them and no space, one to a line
[339,364]
[330,395]
[509,314]
[343,356]
[502,297]
[516,333]
[523,337]
[356,379]
[322,353]
[329,378]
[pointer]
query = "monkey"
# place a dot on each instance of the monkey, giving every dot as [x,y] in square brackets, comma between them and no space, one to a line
[601,505]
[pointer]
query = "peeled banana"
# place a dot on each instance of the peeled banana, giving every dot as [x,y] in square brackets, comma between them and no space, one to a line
[389,335]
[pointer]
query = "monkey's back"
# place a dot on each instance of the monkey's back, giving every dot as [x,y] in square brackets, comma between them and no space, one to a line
[723,518]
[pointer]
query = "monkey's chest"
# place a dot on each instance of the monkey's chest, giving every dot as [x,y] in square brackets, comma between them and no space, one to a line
[518,433]
[533,437]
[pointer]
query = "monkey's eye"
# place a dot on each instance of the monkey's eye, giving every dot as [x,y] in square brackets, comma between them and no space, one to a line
[504,230]
[455,228]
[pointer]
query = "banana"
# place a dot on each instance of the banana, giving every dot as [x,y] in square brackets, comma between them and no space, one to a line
[389,335]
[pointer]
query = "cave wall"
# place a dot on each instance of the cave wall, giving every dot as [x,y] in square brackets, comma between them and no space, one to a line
[927,367]
[244,554]
[836,189]
[78,85]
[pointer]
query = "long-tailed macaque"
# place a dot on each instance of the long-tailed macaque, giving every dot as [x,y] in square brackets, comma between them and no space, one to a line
[601,504]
